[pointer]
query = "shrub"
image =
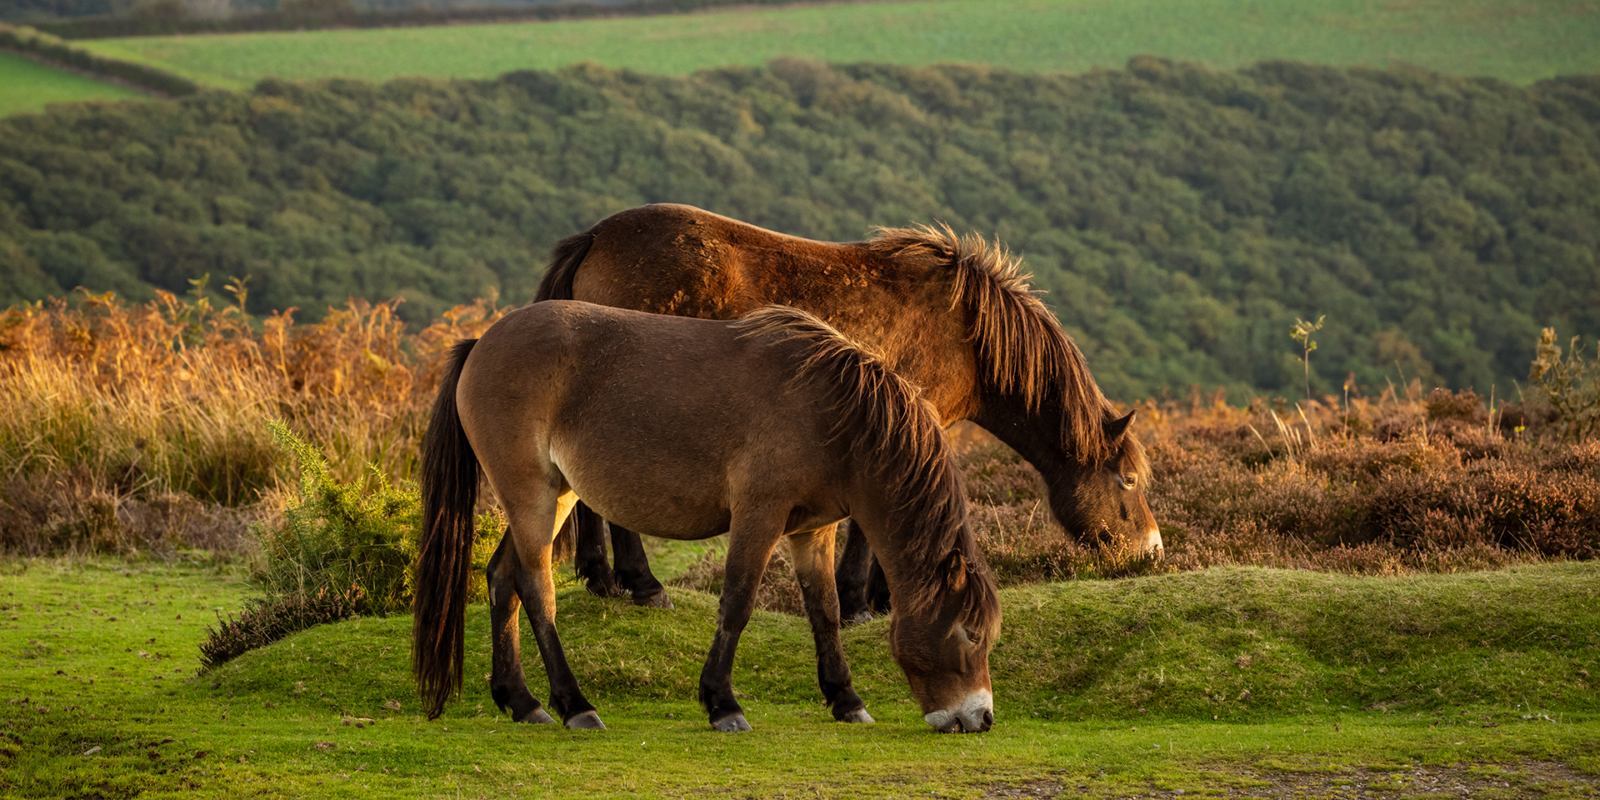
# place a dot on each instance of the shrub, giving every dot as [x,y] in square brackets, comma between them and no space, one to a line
[356,540]
[1570,385]
[1434,488]
[340,539]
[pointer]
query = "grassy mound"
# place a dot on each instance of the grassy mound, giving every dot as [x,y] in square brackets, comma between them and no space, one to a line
[1233,643]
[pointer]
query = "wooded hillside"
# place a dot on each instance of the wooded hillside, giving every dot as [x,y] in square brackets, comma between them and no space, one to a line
[1180,218]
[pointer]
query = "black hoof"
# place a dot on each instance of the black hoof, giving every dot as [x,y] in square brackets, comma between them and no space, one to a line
[587,721]
[733,724]
[657,600]
[538,717]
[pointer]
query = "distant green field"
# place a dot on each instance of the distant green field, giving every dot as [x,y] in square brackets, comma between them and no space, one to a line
[1516,40]
[28,86]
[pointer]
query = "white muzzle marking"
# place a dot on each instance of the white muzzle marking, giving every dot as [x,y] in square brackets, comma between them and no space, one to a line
[974,715]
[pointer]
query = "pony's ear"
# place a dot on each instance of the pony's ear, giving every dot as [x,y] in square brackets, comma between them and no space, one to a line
[1116,427]
[955,571]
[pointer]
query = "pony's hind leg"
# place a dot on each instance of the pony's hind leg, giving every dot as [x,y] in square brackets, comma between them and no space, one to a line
[535,518]
[852,578]
[633,569]
[812,552]
[589,553]
[506,683]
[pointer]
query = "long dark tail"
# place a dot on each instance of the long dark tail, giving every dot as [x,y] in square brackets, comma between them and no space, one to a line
[444,554]
[564,260]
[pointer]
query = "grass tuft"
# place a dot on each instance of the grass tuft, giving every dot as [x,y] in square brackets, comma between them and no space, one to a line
[271,620]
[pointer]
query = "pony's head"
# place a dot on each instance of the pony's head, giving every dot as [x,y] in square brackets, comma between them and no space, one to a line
[942,641]
[1101,501]
[1032,369]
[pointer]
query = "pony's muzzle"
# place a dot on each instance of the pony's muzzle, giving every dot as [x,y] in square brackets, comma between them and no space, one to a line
[974,715]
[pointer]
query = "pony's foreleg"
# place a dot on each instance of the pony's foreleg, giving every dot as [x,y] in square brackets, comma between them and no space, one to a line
[749,548]
[633,569]
[855,566]
[533,528]
[506,683]
[813,566]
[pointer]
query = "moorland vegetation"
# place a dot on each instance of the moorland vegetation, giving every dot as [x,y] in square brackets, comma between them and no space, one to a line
[144,428]
[1180,218]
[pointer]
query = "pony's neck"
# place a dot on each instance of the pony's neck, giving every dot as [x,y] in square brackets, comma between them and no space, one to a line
[1035,435]
[909,539]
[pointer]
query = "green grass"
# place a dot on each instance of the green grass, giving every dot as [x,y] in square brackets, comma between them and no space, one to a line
[1371,682]
[1516,40]
[29,86]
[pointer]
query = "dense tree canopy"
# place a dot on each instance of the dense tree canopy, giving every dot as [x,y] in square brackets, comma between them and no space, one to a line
[1180,218]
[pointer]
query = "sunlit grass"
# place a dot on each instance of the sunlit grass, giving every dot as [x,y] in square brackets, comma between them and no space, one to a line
[102,655]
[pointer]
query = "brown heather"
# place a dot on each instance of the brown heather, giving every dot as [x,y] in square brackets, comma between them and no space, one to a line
[1385,486]
[135,427]
[130,427]
[1388,486]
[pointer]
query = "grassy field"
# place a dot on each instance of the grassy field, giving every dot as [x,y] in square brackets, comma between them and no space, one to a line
[1236,682]
[1516,40]
[29,86]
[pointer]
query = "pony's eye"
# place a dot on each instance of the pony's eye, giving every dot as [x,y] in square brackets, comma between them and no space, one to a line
[1128,481]
[967,636]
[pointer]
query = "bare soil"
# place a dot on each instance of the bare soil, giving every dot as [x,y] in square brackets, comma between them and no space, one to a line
[1525,779]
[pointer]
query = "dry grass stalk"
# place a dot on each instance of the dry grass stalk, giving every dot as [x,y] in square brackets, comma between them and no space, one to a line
[110,405]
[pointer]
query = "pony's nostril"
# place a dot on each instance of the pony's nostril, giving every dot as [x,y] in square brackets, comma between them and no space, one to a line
[988,720]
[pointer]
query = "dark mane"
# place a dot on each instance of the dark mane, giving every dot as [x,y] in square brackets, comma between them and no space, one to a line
[1027,352]
[886,418]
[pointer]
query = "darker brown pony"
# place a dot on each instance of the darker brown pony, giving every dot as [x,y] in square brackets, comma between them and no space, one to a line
[953,315]
[769,427]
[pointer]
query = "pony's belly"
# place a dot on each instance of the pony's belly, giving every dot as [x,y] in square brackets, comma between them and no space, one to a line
[630,498]
[664,521]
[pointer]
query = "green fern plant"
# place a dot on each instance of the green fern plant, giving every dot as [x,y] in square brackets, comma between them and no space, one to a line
[356,541]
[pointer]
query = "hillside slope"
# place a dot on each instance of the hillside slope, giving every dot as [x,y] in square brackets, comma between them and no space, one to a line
[1181,218]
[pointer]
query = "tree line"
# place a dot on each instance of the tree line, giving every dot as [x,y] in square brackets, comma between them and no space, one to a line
[1181,219]
[100,19]
[53,50]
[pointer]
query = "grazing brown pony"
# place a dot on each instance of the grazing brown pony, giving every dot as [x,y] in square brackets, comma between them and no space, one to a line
[769,427]
[952,315]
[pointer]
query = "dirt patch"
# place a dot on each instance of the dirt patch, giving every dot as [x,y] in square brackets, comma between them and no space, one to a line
[1528,779]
